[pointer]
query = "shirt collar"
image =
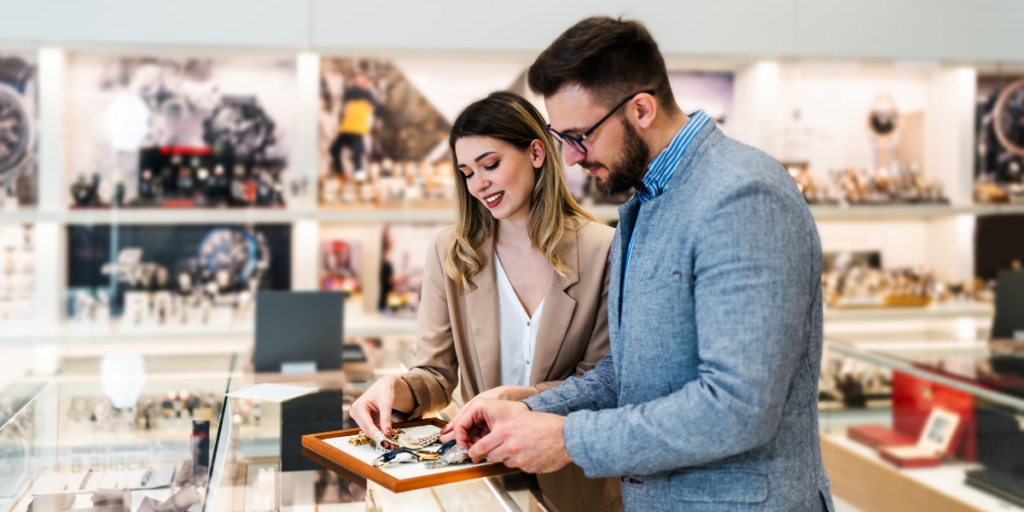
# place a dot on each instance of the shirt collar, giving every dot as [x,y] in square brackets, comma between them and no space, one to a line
[663,167]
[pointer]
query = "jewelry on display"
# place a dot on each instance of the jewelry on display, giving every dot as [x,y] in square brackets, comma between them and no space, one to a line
[378,439]
[395,457]
[452,456]
[416,443]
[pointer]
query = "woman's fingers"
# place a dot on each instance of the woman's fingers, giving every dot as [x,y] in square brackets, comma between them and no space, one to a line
[384,409]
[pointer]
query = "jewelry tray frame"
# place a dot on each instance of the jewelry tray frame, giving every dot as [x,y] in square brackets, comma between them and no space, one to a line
[355,470]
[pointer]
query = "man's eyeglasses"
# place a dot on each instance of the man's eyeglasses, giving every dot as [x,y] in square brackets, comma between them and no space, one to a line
[577,142]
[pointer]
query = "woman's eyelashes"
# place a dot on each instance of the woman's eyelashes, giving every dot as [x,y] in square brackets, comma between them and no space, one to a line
[489,167]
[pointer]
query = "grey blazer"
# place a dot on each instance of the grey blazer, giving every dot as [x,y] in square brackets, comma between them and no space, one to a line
[708,398]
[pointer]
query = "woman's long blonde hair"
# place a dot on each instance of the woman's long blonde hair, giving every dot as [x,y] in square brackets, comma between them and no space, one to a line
[509,117]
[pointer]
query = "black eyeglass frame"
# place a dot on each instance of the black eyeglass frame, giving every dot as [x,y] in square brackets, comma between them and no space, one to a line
[577,142]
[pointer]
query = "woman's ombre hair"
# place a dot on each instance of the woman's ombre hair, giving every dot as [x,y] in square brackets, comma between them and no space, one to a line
[509,117]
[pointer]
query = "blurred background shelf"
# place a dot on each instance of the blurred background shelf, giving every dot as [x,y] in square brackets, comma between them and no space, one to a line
[358,324]
[937,311]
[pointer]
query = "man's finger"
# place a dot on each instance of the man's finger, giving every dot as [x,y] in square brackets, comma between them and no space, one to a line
[482,448]
[464,423]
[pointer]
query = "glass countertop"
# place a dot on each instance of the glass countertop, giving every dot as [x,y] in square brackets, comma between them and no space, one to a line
[126,407]
[979,366]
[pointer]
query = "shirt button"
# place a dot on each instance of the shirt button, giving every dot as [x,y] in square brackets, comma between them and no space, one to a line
[527,323]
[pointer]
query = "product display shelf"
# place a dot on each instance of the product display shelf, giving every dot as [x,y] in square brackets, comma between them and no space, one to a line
[228,216]
[859,476]
[957,309]
[603,213]
[980,373]
[358,323]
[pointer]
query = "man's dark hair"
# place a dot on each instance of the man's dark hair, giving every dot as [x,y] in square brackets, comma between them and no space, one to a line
[610,58]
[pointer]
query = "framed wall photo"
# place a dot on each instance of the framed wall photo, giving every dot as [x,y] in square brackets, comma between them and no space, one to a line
[18,128]
[170,131]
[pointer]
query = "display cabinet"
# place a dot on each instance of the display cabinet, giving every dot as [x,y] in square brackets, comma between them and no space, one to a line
[110,418]
[940,421]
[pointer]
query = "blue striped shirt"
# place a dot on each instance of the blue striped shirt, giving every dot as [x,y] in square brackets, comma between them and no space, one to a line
[663,168]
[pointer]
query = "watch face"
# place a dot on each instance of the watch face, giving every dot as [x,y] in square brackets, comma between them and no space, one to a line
[1009,117]
[15,131]
[234,252]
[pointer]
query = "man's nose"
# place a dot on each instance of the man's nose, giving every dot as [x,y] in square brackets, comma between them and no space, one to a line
[572,155]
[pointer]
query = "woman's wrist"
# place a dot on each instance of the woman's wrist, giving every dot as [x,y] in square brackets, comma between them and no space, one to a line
[405,401]
[516,393]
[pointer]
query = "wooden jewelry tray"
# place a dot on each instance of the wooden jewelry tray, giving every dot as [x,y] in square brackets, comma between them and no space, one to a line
[358,471]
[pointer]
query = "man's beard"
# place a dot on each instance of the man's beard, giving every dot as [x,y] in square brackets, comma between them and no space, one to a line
[625,172]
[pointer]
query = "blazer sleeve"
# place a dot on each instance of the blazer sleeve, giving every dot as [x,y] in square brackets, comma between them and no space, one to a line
[435,373]
[754,292]
[598,345]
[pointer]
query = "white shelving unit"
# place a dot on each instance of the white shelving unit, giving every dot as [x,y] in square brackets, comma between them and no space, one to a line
[936,235]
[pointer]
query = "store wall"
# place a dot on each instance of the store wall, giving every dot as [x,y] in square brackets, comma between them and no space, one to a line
[909,29]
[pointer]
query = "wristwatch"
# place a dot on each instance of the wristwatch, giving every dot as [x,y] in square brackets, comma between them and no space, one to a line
[16,126]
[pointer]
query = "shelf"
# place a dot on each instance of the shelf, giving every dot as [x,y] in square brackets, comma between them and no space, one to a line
[603,213]
[357,324]
[934,312]
[859,476]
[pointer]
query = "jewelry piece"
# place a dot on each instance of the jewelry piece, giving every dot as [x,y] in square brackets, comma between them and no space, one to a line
[452,456]
[378,445]
[416,443]
[395,457]
[360,440]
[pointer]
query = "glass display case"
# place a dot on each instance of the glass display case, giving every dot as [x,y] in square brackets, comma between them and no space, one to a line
[938,419]
[160,425]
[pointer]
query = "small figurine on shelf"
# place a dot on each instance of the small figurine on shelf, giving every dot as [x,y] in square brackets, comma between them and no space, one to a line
[85,193]
[117,199]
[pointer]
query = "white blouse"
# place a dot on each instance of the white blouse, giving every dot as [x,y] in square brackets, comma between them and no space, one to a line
[518,332]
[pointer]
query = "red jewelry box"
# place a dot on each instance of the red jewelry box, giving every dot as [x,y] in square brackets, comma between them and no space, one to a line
[941,435]
[909,457]
[877,436]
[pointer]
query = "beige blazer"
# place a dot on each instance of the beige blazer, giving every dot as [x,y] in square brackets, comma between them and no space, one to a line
[459,340]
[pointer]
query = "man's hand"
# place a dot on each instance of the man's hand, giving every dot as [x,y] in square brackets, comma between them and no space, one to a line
[531,441]
[513,393]
[478,418]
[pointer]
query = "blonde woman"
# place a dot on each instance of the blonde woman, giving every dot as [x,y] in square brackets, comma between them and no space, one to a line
[515,295]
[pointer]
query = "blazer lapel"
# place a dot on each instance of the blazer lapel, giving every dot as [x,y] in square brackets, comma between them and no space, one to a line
[558,307]
[620,247]
[484,320]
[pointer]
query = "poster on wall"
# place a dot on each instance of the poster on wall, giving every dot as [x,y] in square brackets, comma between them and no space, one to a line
[180,132]
[403,256]
[193,275]
[381,141]
[18,129]
[999,139]
[341,266]
[855,138]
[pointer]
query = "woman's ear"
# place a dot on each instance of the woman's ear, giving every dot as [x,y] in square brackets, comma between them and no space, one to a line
[537,153]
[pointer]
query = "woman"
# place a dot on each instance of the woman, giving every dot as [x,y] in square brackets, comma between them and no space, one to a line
[515,295]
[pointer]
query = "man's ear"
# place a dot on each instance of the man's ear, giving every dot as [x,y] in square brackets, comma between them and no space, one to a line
[643,109]
[537,153]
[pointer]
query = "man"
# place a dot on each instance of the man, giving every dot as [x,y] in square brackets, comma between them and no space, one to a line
[708,397]
[358,104]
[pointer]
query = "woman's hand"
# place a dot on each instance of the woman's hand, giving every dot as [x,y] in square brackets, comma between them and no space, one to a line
[512,393]
[387,393]
[508,393]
